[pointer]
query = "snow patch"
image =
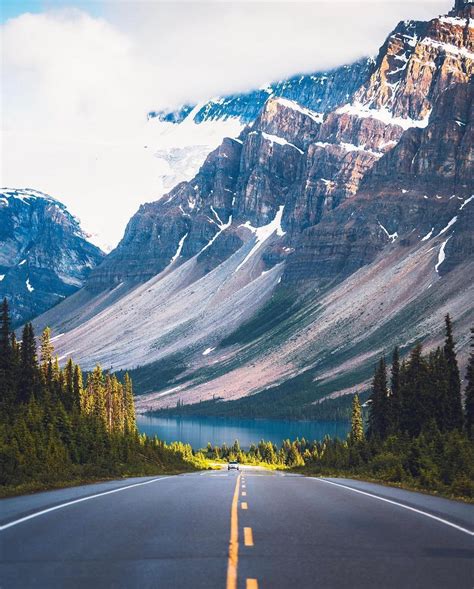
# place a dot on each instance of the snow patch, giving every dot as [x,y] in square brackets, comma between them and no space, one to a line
[28,285]
[2,276]
[216,215]
[382,114]
[391,236]
[442,254]
[328,183]
[449,48]
[456,21]
[465,202]
[280,141]
[207,351]
[222,227]
[315,116]
[453,220]
[428,235]
[264,233]
[180,248]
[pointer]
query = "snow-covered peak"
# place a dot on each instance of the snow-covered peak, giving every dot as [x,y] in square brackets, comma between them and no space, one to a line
[31,196]
[26,195]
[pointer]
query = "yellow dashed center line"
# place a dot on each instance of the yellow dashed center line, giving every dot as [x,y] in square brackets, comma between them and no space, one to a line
[244,505]
[251,584]
[248,537]
[233,559]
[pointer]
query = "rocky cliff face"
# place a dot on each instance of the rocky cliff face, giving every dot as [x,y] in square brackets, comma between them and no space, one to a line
[44,254]
[420,187]
[359,219]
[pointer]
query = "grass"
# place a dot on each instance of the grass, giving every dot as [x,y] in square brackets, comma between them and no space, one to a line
[39,486]
[279,308]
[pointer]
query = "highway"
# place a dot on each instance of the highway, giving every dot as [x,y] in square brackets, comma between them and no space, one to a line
[253,529]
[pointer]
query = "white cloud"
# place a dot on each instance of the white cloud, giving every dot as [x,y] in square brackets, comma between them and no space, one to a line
[76,88]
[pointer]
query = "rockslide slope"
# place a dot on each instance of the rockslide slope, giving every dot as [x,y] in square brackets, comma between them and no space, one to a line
[44,254]
[304,248]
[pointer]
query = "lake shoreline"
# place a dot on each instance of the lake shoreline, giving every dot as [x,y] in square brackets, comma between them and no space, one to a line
[199,431]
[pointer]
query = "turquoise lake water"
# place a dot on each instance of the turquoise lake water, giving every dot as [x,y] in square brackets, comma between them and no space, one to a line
[198,431]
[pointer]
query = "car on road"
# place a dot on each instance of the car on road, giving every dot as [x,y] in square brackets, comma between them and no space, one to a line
[233,465]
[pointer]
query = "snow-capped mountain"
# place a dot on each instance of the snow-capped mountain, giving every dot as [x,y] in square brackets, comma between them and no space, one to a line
[44,254]
[181,139]
[320,91]
[303,248]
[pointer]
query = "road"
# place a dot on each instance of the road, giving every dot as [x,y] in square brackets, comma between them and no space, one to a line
[249,530]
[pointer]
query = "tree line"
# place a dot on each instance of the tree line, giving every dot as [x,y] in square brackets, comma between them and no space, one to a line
[57,425]
[414,430]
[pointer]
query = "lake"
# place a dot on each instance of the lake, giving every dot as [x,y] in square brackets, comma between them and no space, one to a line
[198,431]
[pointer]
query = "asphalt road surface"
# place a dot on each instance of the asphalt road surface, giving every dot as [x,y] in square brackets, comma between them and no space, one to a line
[249,529]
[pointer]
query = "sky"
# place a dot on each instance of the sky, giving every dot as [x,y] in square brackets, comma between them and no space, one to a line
[78,79]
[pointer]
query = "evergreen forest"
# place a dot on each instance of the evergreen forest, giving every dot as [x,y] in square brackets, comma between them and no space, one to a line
[58,428]
[414,430]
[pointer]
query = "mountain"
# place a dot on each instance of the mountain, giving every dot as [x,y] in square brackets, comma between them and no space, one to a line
[320,91]
[181,139]
[304,248]
[44,254]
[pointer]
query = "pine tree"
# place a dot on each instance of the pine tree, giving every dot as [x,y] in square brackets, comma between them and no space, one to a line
[29,375]
[357,425]
[79,401]
[108,393]
[416,393]
[47,349]
[378,403]
[455,416]
[68,396]
[394,398]
[96,396]
[118,406]
[6,355]
[470,390]
[14,365]
[129,406]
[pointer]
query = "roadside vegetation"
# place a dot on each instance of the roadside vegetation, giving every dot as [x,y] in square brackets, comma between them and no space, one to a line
[416,432]
[56,430]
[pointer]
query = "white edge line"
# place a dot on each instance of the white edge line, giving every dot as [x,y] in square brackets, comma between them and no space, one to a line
[44,511]
[425,513]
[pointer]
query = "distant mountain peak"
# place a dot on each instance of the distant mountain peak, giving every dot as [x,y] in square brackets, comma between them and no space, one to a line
[44,253]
